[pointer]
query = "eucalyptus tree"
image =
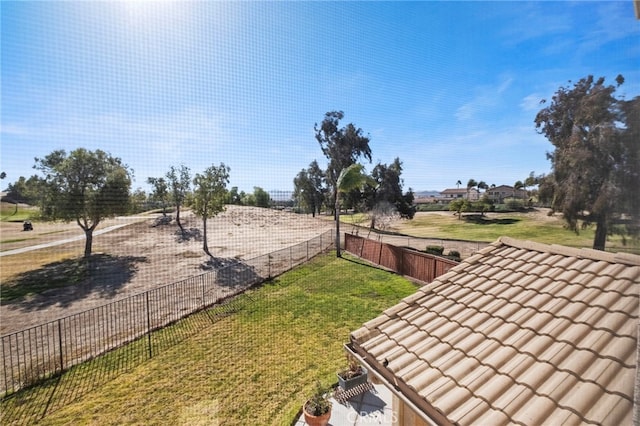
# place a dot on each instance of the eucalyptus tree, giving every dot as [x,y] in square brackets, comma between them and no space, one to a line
[209,196]
[343,146]
[595,162]
[85,186]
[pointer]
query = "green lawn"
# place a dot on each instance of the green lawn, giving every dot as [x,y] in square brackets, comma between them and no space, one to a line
[252,364]
[533,226]
[9,213]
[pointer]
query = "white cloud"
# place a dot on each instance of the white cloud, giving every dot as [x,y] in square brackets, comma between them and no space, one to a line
[486,98]
[531,102]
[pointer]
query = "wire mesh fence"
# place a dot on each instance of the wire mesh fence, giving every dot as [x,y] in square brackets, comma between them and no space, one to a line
[34,354]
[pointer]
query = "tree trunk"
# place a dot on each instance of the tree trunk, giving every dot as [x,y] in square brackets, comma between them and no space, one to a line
[600,239]
[205,245]
[178,219]
[88,233]
[337,212]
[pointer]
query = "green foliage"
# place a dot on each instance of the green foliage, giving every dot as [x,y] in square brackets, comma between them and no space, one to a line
[309,190]
[84,186]
[26,191]
[138,202]
[432,207]
[514,204]
[179,183]
[262,197]
[234,197]
[210,195]
[454,254]
[460,205]
[160,192]
[342,146]
[388,188]
[437,250]
[596,156]
[17,213]
[318,403]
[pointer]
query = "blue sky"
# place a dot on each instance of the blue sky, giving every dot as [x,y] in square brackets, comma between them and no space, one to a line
[452,88]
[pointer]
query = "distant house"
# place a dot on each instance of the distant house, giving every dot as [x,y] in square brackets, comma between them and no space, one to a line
[519,333]
[451,194]
[499,193]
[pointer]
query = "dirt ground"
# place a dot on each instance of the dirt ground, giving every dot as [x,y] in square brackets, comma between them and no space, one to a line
[153,256]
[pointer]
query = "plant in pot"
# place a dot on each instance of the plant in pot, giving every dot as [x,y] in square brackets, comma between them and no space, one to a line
[352,376]
[317,409]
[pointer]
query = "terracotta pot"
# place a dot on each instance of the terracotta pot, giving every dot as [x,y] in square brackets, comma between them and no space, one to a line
[312,420]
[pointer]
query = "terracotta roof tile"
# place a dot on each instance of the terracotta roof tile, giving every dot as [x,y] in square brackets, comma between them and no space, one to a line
[520,332]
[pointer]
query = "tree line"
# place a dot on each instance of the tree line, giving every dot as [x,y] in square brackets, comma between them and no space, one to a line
[316,189]
[594,178]
[90,186]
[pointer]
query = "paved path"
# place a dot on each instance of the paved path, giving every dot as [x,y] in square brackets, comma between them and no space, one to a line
[72,239]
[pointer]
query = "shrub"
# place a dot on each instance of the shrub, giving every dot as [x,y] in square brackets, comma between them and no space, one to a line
[454,254]
[437,250]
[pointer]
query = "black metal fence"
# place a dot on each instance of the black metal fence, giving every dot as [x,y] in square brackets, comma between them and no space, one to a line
[34,354]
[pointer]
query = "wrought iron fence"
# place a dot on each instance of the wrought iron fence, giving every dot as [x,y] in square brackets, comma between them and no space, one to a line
[34,354]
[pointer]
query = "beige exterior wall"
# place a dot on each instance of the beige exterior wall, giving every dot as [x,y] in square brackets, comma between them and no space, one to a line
[403,415]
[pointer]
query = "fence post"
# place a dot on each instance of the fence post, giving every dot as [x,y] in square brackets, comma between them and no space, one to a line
[203,292]
[148,325]
[290,258]
[307,249]
[60,344]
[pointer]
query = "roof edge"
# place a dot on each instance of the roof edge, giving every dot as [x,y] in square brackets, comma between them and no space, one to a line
[402,391]
[586,253]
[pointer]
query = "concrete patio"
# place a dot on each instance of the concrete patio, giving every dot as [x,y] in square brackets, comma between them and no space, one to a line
[369,408]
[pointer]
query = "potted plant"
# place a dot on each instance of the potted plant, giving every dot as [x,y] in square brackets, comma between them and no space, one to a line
[352,376]
[317,409]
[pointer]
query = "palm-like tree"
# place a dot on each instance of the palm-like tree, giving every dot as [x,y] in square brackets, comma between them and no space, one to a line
[350,178]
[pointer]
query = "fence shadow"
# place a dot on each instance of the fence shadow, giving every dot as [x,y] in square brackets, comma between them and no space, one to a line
[232,273]
[66,344]
[30,405]
[70,280]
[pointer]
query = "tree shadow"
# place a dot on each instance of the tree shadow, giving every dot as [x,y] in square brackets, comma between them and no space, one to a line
[188,235]
[62,283]
[232,273]
[484,220]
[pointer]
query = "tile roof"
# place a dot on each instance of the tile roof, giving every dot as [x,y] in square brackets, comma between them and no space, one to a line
[519,333]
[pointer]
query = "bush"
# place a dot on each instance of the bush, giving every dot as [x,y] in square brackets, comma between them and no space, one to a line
[432,207]
[454,254]
[437,250]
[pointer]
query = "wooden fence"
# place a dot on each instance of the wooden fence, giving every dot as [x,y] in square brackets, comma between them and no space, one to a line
[421,266]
